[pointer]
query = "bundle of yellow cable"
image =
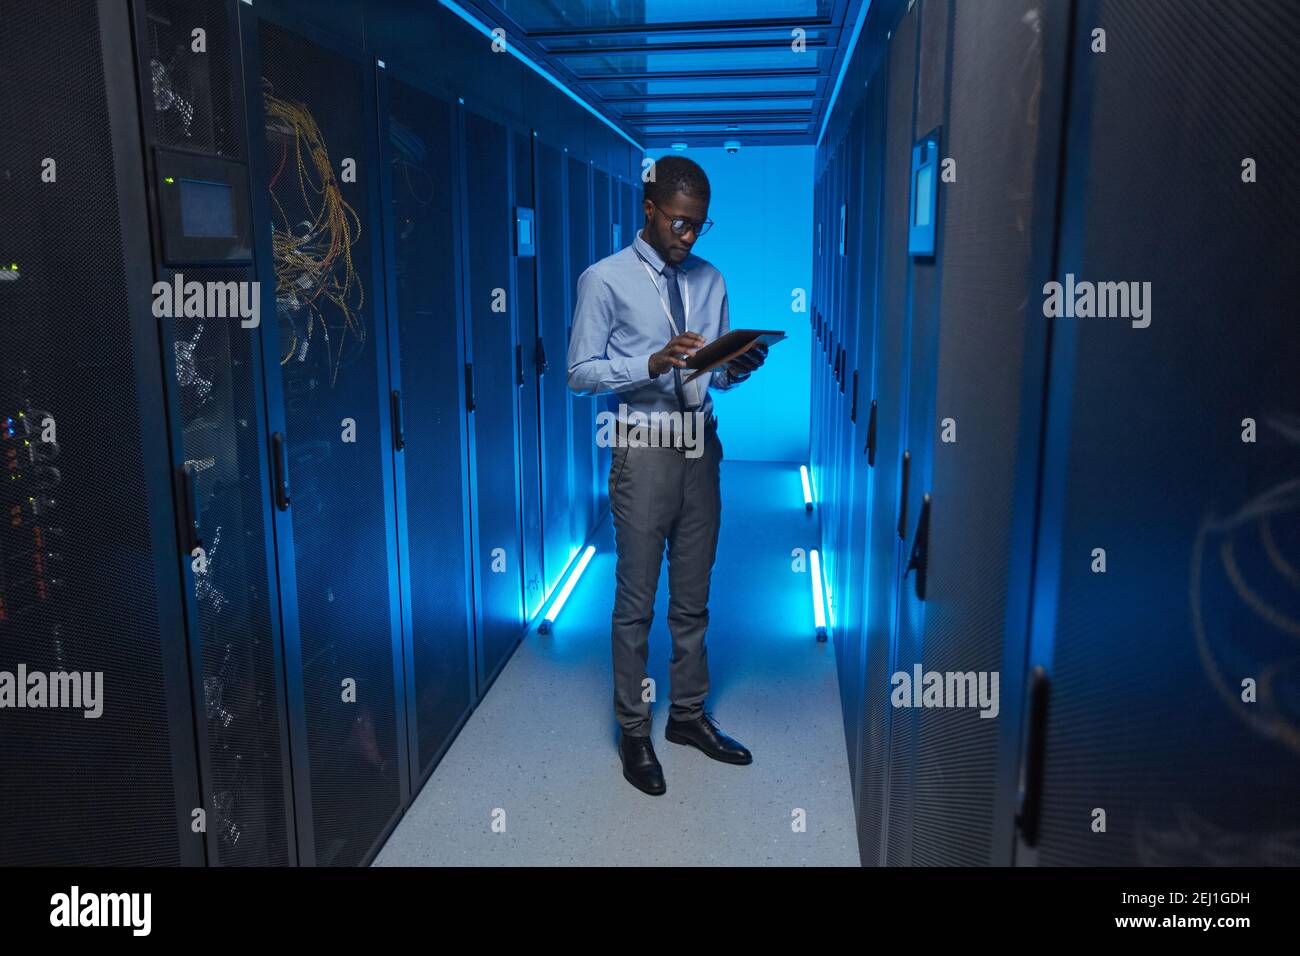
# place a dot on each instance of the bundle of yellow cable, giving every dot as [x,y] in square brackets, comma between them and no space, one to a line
[313,263]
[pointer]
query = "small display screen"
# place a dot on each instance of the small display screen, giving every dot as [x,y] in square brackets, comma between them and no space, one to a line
[525,232]
[924,192]
[207,209]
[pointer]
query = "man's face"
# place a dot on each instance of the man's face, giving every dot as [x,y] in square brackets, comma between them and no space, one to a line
[659,232]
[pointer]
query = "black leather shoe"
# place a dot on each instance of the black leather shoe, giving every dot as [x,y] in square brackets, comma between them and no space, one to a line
[640,765]
[704,734]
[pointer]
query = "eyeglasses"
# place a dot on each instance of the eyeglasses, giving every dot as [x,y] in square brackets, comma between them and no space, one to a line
[681,226]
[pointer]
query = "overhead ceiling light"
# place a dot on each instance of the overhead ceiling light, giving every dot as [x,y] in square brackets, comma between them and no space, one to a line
[679,145]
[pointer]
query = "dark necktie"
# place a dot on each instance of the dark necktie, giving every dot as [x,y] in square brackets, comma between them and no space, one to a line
[679,318]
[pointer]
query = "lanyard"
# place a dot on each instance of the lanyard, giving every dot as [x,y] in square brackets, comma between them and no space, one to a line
[686,295]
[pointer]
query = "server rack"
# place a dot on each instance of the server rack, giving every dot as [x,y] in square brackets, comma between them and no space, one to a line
[193,125]
[532,449]
[562,530]
[859,325]
[981,387]
[927,31]
[1147,453]
[329,410]
[493,336]
[90,579]
[431,429]
[580,256]
[867,690]
[891,457]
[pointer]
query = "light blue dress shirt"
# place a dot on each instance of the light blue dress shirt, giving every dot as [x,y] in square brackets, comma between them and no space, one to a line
[619,321]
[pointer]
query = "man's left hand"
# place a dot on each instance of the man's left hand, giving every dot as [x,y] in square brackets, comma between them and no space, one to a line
[742,365]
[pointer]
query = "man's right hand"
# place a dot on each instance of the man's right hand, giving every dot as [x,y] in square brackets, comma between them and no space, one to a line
[675,353]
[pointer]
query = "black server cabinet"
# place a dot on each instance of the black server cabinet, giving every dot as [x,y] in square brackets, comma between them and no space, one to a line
[974,423]
[316,198]
[528,351]
[90,564]
[604,213]
[869,692]
[194,129]
[918,788]
[879,790]
[583,407]
[861,245]
[1171,703]
[845,324]
[823,378]
[562,534]
[494,360]
[426,360]
[857,326]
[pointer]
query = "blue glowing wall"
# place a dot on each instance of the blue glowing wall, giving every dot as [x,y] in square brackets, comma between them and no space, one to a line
[762,242]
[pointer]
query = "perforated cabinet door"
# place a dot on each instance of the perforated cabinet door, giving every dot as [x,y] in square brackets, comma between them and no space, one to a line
[1177,179]
[583,410]
[428,353]
[218,432]
[90,566]
[532,450]
[553,318]
[330,403]
[496,426]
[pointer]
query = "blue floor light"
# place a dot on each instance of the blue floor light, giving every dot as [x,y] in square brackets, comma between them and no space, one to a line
[554,612]
[807,488]
[819,616]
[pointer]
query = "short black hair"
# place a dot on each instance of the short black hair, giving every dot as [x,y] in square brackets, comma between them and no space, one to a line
[673,175]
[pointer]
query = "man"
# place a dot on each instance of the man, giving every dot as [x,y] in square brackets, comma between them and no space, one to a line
[639,315]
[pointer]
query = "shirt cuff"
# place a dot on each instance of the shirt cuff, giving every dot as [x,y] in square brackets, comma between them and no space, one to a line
[634,371]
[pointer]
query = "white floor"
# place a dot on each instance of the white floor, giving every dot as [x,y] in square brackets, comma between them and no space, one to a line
[534,777]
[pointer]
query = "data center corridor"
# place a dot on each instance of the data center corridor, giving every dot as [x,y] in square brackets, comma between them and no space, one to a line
[541,745]
[313,318]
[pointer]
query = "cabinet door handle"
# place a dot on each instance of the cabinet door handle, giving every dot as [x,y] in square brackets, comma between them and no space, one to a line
[853,402]
[542,365]
[1031,772]
[470,404]
[190,509]
[281,471]
[919,559]
[519,365]
[399,435]
[902,496]
[870,448]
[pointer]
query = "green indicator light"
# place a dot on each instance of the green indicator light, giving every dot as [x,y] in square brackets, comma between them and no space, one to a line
[169,180]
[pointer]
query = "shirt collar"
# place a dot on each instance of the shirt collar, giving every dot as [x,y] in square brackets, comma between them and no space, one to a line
[647,252]
[656,261]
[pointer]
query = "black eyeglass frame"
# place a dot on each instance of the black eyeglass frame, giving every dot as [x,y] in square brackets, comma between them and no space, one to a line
[678,224]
